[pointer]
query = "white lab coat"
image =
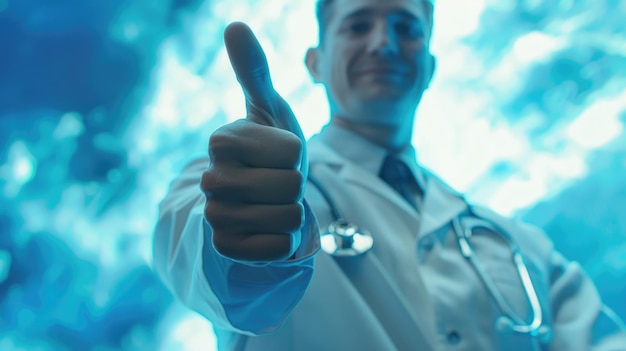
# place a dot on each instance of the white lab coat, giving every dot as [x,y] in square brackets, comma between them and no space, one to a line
[413,291]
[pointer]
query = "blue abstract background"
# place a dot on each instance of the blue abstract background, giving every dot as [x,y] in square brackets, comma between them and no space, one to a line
[103,102]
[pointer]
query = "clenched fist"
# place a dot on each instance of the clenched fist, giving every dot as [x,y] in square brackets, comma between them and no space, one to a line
[254,185]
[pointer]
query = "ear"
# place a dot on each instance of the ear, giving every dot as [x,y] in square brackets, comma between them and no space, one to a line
[432,63]
[311,60]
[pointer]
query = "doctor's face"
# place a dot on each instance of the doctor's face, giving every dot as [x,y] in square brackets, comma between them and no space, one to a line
[373,59]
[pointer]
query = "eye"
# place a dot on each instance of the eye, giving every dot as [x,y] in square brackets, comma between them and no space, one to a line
[409,29]
[359,27]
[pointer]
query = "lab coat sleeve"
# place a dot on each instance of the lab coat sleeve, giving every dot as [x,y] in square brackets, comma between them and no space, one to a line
[248,298]
[580,321]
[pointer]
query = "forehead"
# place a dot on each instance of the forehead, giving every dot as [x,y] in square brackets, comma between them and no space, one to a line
[344,8]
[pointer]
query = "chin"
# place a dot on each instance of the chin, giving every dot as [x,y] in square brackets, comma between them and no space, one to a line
[389,102]
[384,94]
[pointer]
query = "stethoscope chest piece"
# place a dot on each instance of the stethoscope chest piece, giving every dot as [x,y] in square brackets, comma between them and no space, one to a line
[344,239]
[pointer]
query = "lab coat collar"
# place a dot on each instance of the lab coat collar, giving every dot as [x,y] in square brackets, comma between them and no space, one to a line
[441,204]
[365,153]
[335,146]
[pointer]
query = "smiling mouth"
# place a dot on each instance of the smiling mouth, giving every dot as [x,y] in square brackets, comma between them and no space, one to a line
[382,72]
[382,76]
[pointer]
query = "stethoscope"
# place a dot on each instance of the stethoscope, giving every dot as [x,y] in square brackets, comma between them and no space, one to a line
[508,321]
[345,239]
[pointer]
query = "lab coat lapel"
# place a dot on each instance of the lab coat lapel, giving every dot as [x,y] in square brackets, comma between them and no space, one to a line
[321,153]
[373,183]
[440,203]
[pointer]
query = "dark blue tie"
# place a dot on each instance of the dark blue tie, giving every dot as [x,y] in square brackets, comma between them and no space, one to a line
[398,175]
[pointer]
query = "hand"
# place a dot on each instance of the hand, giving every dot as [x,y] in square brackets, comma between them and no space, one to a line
[254,185]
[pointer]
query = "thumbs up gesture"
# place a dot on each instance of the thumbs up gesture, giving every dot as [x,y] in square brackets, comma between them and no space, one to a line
[254,185]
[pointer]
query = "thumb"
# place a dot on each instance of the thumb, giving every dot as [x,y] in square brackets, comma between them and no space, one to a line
[249,62]
[250,65]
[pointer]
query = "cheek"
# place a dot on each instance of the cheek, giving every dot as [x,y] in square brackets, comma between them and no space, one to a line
[421,68]
[337,64]
[338,76]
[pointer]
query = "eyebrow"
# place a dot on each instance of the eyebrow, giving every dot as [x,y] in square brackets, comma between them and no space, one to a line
[368,12]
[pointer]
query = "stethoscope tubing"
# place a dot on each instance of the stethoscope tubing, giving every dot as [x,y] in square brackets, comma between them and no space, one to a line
[509,319]
[334,211]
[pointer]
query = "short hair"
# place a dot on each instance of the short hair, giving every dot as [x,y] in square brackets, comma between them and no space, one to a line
[323,8]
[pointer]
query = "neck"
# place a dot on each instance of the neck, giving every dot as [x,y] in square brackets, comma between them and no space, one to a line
[394,138]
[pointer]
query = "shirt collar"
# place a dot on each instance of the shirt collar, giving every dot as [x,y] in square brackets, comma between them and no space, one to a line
[365,153]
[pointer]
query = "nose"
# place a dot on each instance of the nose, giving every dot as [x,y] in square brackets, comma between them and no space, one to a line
[383,40]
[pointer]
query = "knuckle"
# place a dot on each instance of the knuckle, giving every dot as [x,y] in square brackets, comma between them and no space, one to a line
[209,212]
[295,185]
[209,181]
[214,181]
[223,243]
[215,214]
[294,142]
[225,139]
[220,143]
[295,217]
[300,182]
[293,148]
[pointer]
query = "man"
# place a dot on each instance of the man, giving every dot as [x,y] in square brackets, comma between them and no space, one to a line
[246,254]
